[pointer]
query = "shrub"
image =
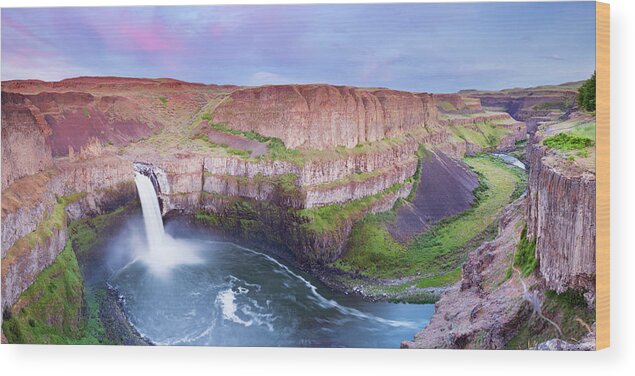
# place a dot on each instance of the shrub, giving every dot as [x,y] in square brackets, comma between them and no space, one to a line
[566,141]
[586,94]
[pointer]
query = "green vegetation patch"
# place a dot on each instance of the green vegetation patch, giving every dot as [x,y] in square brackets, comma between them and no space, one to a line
[330,217]
[54,221]
[56,309]
[276,149]
[568,310]
[447,106]
[585,130]
[525,256]
[52,307]
[566,142]
[83,233]
[586,94]
[164,100]
[485,135]
[436,255]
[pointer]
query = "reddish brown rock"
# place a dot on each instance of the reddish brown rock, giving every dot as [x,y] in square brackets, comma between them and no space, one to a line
[485,309]
[25,150]
[325,116]
[561,217]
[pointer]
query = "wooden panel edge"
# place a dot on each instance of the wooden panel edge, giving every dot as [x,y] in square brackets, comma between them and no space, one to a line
[603,299]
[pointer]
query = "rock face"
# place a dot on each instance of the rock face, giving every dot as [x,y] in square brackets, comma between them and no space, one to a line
[338,192]
[25,150]
[21,266]
[35,186]
[325,116]
[524,104]
[485,309]
[65,155]
[556,344]
[113,111]
[433,200]
[74,119]
[561,217]
[29,206]
[458,104]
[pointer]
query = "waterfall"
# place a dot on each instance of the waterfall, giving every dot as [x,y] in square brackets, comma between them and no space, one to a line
[151,212]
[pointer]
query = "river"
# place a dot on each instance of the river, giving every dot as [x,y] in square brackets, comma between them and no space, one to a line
[223,294]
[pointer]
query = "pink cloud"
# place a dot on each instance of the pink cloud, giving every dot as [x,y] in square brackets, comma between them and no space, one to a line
[132,32]
[151,37]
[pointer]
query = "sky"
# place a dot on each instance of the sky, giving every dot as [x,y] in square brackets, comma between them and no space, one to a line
[441,47]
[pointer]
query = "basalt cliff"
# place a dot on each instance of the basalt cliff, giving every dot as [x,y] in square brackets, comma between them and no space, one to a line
[259,162]
[548,303]
[288,166]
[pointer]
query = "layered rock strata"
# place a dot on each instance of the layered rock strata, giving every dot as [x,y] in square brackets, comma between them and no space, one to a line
[326,116]
[36,209]
[561,217]
[65,156]
[485,309]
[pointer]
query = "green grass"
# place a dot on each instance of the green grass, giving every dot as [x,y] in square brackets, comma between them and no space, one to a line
[54,221]
[276,150]
[437,254]
[83,233]
[228,149]
[585,130]
[525,256]
[568,310]
[566,142]
[329,217]
[86,112]
[53,310]
[447,106]
[485,135]
[164,100]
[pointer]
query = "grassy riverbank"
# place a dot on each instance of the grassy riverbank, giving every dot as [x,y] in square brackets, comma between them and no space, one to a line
[57,308]
[434,258]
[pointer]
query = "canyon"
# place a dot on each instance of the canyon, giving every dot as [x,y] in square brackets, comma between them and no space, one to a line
[293,167]
[557,218]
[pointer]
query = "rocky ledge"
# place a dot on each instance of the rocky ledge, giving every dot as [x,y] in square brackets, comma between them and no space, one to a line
[561,217]
[485,309]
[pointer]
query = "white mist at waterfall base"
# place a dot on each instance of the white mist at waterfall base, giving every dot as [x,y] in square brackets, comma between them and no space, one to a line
[163,252]
[184,285]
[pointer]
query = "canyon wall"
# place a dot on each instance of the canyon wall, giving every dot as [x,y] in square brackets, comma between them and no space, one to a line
[561,217]
[41,193]
[486,307]
[548,102]
[65,156]
[325,116]
[25,150]
[36,209]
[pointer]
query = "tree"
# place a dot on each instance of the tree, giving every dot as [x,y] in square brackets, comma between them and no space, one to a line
[586,94]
